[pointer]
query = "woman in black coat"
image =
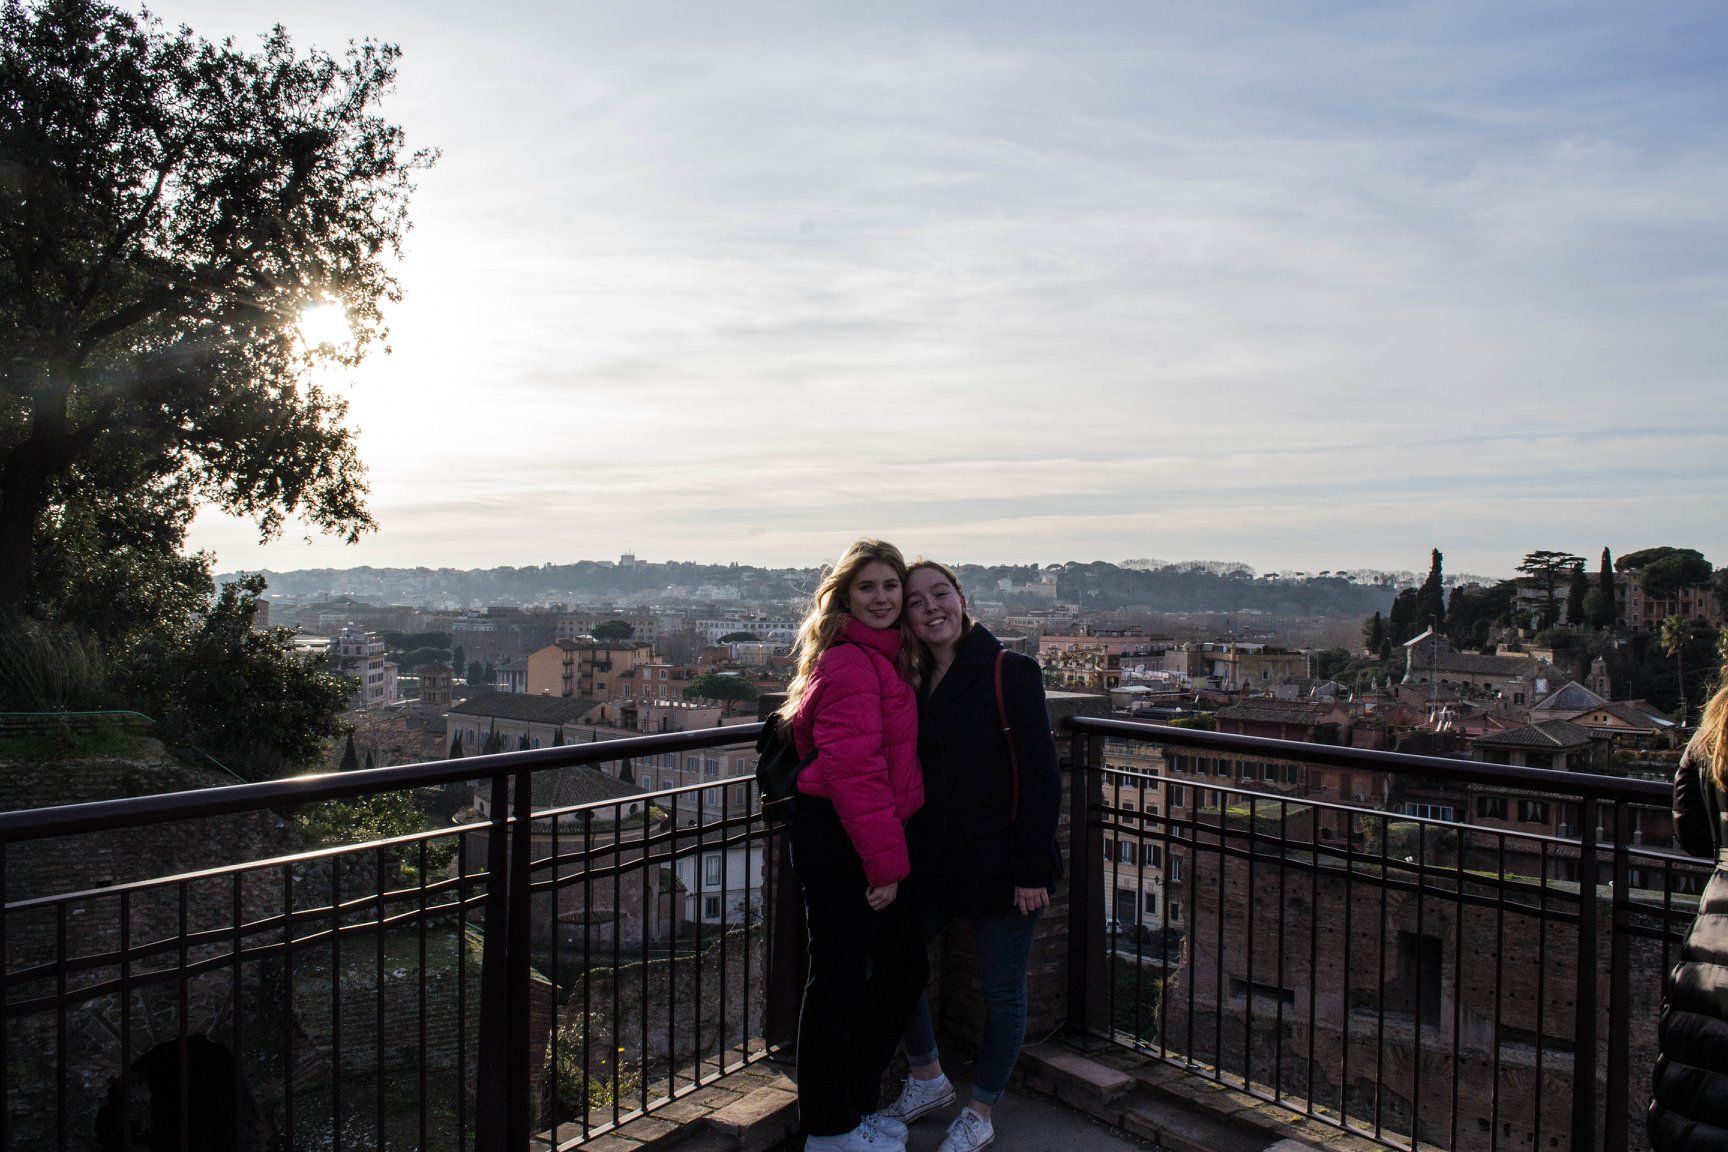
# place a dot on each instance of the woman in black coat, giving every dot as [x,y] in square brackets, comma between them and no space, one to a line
[1689,1108]
[984,846]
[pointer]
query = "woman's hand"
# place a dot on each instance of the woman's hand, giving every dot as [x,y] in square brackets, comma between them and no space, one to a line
[1030,900]
[880,898]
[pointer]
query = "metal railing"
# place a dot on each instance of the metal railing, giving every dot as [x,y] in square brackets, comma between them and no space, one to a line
[180,971]
[1422,982]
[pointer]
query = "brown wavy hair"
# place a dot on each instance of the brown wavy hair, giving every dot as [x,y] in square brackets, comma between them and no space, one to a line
[829,610]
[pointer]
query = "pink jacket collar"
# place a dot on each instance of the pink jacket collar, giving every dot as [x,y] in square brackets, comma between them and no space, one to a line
[884,640]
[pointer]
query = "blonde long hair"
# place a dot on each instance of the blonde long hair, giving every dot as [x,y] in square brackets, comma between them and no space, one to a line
[1710,742]
[829,611]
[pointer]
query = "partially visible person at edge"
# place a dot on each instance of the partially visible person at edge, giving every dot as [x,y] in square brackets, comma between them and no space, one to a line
[853,714]
[984,848]
[1689,1107]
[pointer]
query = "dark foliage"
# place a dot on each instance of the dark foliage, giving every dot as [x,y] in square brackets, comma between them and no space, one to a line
[171,206]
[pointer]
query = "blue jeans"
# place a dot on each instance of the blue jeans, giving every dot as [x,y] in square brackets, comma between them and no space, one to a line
[1004,943]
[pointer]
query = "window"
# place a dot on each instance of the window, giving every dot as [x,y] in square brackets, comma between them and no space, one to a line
[711,871]
[692,763]
[1423,811]
[1151,903]
[1153,854]
[711,768]
[1109,849]
[711,797]
[711,908]
[648,780]
[1491,807]
[1175,908]
[1533,811]
[1127,850]
[1175,870]
[1178,796]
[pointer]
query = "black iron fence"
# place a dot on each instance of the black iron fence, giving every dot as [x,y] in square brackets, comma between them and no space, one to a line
[1457,966]
[181,972]
[1426,952]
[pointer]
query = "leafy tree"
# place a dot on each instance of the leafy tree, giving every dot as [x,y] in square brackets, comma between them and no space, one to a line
[1597,607]
[172,207]
[379,816]
[1675,635]
[476,675]
[1431,597]
[714,686]
[614,630]
[1664,571]
[420,657]
[1601,612]
[1330,662]
[1545,569]
[1720,587]
[244,696]
[1401,623]
[739,638]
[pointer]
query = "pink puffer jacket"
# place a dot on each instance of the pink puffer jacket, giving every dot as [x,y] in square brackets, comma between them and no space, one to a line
[860,719]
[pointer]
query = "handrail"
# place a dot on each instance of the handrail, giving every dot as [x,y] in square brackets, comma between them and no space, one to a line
[102,815]
[1463,771]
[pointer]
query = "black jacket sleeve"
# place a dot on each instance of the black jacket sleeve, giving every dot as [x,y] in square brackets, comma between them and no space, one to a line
[1034,860]
[1696,818]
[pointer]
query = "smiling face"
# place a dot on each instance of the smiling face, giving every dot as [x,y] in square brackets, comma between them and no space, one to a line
[873,597]
[935,608]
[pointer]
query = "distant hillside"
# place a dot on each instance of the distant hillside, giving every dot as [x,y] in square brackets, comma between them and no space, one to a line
[1191,587]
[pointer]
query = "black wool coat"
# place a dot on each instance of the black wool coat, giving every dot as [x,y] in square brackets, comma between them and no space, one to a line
[975,840]
[1689,1107]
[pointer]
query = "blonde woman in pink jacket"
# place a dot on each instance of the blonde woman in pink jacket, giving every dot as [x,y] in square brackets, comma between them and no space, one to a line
[854,718]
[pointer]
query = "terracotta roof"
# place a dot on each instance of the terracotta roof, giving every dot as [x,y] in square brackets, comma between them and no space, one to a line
[580,784]
[1572,697]
[1548,734]
[530,709]
[1269,710]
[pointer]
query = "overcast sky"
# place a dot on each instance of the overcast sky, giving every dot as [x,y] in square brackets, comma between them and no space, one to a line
[1303,285]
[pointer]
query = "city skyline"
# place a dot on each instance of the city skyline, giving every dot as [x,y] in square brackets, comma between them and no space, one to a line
[1311,289]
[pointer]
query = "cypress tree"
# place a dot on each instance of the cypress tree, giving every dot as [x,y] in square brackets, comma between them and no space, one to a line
[1576,591]
[1375,633]
[1604,617]
[456,752]
[1431,598]
[350,760]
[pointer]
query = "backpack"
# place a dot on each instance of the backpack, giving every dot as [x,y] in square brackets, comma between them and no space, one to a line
[777,767]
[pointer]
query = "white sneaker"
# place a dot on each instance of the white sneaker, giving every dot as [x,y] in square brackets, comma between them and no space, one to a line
[884,1125]
[861,1139]
[919,1098]
[969,1133]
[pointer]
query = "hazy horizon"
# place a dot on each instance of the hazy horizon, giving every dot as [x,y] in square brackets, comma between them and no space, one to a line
[1314,287]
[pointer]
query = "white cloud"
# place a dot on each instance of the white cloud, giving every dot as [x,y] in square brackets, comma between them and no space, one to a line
[740,282]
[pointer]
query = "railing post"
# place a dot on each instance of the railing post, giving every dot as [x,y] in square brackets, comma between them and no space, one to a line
[1617,1105]
[491,1082]
[1584,1018]
[518,1073]
[1087,1007]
